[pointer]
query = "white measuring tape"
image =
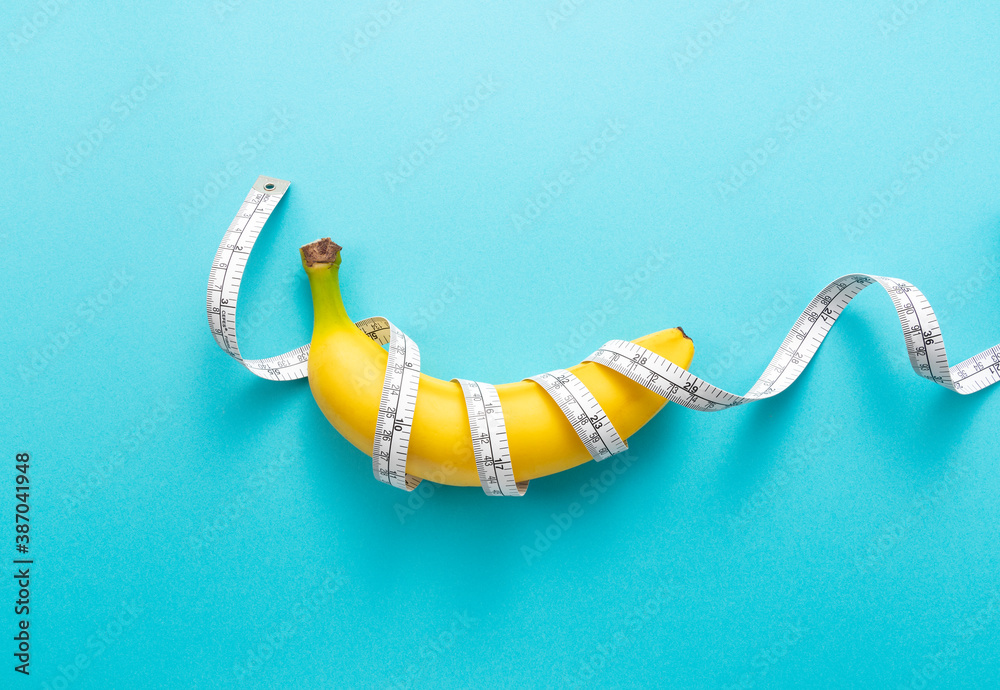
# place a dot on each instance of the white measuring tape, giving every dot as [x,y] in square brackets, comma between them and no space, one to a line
[583,412]
[397,404]
[227,273]
[489,440]
[921,331]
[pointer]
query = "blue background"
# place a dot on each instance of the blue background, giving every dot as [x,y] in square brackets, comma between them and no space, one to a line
[195,527]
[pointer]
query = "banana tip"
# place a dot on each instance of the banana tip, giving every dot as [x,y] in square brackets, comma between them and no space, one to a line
[322,251]
[683,333]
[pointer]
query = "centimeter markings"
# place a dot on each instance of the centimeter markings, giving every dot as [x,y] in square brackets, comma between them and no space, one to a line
[396,406]
[489,440]
[978,372]
[583,411]
[227,273]
[921,332]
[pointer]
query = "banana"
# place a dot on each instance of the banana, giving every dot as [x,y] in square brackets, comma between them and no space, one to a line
[346,371]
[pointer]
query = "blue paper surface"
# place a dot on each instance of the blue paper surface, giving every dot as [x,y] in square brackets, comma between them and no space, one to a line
[514,184]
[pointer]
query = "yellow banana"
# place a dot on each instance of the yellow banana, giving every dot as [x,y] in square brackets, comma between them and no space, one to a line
[347,368]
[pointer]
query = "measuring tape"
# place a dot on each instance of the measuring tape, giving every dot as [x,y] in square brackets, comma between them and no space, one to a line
[227,273]
[489,440]
[397,404]
[583,412]
[921,331]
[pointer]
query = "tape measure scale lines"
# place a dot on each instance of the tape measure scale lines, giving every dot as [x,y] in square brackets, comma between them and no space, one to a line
[227,273]
[583,411]
[489,440]
[921,333]
[487,428]
[396,406]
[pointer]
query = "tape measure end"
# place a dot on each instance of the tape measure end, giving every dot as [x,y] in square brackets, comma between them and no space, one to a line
[271,185]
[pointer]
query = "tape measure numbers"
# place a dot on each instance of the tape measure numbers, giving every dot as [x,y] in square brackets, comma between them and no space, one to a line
[396,406]
[489,440]
[921,331]
[227,273]
[583,411]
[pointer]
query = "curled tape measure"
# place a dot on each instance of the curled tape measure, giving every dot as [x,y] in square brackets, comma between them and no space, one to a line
[921,331]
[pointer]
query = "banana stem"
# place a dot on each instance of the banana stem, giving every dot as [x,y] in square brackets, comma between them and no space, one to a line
[321,261]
